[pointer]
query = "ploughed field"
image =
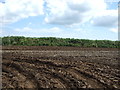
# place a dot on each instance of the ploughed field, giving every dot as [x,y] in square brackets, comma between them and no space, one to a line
[60,67]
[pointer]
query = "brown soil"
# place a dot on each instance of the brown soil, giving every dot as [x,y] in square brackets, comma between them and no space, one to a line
[53,48]
[60,67]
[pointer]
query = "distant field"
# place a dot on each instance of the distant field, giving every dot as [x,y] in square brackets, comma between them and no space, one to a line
[64,48]
[60,67]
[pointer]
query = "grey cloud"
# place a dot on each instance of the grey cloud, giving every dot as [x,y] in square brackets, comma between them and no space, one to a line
[66,19]
[105,21]
[82,8]
[74,14]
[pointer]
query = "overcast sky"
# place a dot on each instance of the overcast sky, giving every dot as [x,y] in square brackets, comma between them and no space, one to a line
[83,19]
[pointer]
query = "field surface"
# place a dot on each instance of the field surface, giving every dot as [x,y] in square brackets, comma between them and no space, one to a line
[59,67]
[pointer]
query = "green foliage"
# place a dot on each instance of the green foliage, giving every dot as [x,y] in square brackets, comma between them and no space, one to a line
[52,41]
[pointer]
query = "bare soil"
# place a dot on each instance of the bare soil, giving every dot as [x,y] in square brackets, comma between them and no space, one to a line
[60,67]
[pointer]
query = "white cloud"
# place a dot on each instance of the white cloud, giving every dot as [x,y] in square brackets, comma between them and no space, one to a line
[1,31]
[70,12]
[115,30]
[78,29]
[25,29]
[42,30]
[54,30]
[14,10]
[61,12]
[29,23]
[106,18]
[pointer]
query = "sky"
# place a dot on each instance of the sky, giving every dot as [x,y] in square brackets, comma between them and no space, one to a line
[82,19]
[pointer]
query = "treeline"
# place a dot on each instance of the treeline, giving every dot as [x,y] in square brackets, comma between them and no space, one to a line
[51,41]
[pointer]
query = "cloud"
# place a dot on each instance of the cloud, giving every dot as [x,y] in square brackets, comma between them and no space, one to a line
[25,29]
[1,31]
[42,30]
[115,30]
[106,18]
[54,30]
[60,12]
[70,12]
[2,1]
[14,10]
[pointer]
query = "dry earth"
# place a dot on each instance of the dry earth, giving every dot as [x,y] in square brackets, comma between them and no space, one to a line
[60,67]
